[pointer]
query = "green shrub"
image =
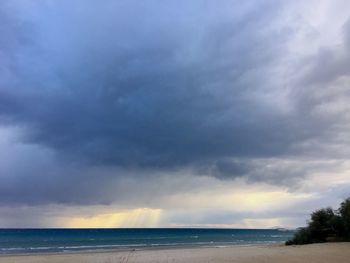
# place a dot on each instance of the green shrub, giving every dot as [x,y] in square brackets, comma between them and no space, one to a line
[344,212]
[321,225]
[302,236]
[325,225]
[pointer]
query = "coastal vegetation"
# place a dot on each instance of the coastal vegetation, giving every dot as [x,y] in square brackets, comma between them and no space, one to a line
[325,225]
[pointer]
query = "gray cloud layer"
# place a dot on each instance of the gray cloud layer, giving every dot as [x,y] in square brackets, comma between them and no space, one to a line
[159,91]
[161,86]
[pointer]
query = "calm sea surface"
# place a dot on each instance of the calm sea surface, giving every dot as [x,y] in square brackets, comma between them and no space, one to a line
[69,240]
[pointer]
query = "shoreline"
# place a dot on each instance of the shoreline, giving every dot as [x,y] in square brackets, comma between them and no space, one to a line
[139,249]
[313,253]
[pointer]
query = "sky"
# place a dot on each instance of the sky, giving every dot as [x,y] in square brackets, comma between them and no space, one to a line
[126,113]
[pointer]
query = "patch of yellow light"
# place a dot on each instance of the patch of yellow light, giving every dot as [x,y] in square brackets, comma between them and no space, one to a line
[141,217]
[260,199]
[265,200]
[239,200]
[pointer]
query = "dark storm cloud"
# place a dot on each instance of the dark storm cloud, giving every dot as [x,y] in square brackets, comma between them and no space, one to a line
[130,88]
[160,91]
[32,175]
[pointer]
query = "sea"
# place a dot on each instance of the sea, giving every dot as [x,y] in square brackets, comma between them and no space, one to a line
[25,241]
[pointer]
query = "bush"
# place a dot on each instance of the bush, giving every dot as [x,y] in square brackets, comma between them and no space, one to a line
[325,225]
[302,236]
[344,212]
[321,225]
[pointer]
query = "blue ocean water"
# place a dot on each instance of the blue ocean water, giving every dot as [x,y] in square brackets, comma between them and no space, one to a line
[69,240]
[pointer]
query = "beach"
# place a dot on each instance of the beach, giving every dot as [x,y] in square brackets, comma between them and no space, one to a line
[314,253]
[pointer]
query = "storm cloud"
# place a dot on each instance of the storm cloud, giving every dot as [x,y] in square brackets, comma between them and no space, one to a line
[98,100]
[159,91]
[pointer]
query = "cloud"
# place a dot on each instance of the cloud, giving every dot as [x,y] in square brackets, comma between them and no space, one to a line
[99,101]
[157,92]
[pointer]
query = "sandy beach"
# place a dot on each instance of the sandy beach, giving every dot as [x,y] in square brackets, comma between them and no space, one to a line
[315,253]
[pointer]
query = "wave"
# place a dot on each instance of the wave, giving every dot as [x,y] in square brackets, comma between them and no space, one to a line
[97,247]
[70,240]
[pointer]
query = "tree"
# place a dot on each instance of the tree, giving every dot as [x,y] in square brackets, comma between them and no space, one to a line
[321,225]
[344,212]
[302,236]
[325,225]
